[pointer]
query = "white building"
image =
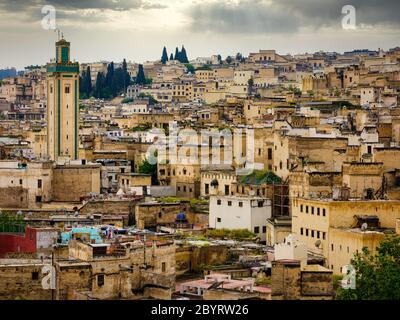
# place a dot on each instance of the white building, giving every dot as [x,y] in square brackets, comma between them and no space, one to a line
[291,249]
[234,212]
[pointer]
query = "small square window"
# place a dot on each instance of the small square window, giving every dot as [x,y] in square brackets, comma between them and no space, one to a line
[256,230]
[35,275]
[240,204]
[229,203]
[219,202]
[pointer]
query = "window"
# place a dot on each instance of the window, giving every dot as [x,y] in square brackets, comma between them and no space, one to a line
[122,170]
[20,181]
[264,229]
[312,210]
[240,204]
[318,212]
[184,188]
[159,214]
[219,202]
[35,275]
[260,204]
[301,208]
[163,267]
[218,219]
[323,235]
[100,280]
[318,234]
[306,232]
[306,209]
[331,246]
[67,89]
[256,230]
[39,183]
[323,212]
[226,190]
[229,203]
[312,233]
[206,188]
[38,198]
[301,231]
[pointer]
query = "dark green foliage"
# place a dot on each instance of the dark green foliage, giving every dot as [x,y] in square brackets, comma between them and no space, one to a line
[261,177]
[140,77]
[181,56]
[204,67]
[190,68]
[113,84]
[228,59]
[164,57]
[377,275]
[85,84]
[12,223]
[148,168]
[152,101]
[171,57]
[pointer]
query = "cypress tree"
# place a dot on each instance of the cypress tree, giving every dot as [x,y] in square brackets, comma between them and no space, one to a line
[100,81]
[88,82]
[176,54]
[140,78]
[171,57]
[126,76]
[183,56]
[164,57]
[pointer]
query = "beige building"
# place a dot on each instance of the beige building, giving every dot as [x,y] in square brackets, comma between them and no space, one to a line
[314,220]
[62,104]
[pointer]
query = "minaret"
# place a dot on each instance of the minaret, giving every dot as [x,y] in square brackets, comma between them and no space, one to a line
[62,105]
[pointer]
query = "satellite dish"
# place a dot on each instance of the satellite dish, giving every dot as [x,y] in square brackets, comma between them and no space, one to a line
[364,226]
[317,243]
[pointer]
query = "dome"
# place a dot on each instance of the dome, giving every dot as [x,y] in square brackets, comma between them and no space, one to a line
[181,216]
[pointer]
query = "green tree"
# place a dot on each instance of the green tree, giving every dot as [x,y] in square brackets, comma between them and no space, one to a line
[148,168]
[171,57]
[228,59]
[190,68]
[176,57]
[88,82]
[164,57]
[100,82]
[377,275]
[140,77]
[183,56]
[126,75]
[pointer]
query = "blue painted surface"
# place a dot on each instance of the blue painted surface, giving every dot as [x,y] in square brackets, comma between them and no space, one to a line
[94,234]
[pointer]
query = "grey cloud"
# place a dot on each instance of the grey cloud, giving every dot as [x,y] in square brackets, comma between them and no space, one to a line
[283,16]
[74,10]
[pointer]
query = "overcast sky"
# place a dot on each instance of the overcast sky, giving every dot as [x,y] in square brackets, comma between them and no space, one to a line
[138,29]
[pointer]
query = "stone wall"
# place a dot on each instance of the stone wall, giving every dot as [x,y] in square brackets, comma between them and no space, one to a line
[13,197]
[22,281]
[72,183]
